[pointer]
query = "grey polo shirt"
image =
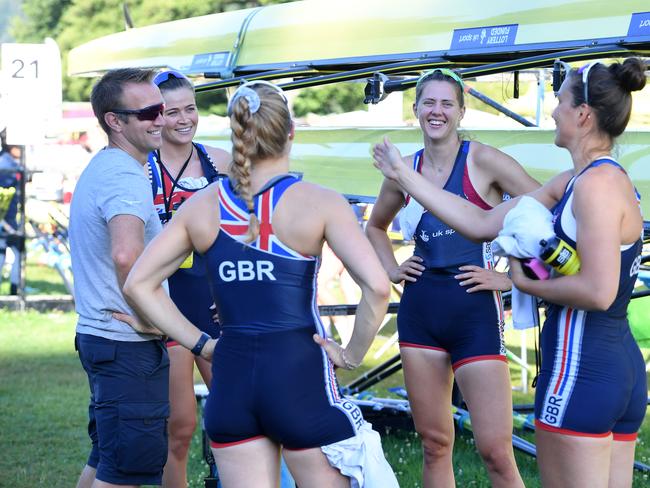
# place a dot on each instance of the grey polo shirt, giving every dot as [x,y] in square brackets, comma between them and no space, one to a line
[112,184]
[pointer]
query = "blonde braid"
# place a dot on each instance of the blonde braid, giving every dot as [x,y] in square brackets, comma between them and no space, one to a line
[243,144]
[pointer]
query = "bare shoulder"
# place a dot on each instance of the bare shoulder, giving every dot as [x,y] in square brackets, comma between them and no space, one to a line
[485,155]
[199,216]
[501,170]
[316,194]
[603,180]
[312,203]
[204,203]
[219,157]
[203,199]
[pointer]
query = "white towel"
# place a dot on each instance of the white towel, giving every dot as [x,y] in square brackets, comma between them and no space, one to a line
[409,218]
[524,310]
[361,458]
[193,183]
[524,227]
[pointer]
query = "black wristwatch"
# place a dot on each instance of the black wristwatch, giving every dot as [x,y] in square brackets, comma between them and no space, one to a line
[200,344]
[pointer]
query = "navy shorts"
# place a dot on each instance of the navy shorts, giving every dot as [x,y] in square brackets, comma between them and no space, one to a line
[435,312]
[129,406]
[279,385]
[593,379]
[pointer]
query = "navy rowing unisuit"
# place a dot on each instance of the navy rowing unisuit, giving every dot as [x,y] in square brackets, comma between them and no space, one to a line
[435,311]
[270,379]
[187,286]
[593,379]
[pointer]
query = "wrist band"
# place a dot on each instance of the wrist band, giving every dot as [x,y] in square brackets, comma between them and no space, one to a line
[348,365]
[198,347]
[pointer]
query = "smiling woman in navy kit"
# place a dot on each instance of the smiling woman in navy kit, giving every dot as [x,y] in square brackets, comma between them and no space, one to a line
[450,320]
[177,171]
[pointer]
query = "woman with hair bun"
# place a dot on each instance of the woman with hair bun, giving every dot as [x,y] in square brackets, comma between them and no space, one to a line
[273,388]
[592,393]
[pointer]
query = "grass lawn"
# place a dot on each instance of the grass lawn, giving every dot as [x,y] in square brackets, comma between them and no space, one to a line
[43,400]
[39,280]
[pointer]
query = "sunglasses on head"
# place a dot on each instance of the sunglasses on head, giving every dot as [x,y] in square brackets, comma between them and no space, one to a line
[584,71]
[562,69]
[164,76]
[148,113]
[444,71]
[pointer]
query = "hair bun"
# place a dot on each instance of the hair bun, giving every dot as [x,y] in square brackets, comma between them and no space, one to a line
[631,74]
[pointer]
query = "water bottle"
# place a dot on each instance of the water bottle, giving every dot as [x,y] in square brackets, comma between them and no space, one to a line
[535,269]
[560,256]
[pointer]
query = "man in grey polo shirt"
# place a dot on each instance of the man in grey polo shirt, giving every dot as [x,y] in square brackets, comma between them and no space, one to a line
[112,219]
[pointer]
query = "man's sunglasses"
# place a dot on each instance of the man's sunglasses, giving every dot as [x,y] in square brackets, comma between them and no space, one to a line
[148,113]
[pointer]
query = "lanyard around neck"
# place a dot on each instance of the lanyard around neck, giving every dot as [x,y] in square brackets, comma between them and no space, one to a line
[168,199]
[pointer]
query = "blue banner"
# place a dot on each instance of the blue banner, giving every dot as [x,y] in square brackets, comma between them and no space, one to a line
[206,62]
[484,37]
[639,25]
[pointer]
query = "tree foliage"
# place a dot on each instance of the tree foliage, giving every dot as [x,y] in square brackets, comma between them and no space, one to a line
[328,99]
[8,9]
[71,23]
[40,19]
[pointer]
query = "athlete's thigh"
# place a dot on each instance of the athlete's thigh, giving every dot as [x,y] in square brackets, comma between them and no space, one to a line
[569,461]
[205,368]
[181,386]
[622,464]
[253,463]
[485,386]
[310,468]
[429,380]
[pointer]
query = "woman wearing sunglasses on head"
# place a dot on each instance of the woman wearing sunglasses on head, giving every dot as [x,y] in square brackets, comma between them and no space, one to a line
[261,232]
[450,321]
[591,395]
[179,169]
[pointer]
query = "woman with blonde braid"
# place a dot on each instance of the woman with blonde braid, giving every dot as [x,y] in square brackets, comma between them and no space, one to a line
[261,232]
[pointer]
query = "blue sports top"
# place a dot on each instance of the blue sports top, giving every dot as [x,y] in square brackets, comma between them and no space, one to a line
[262,286]
[162,182]
[187,286]
[566,229]
[440,246]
